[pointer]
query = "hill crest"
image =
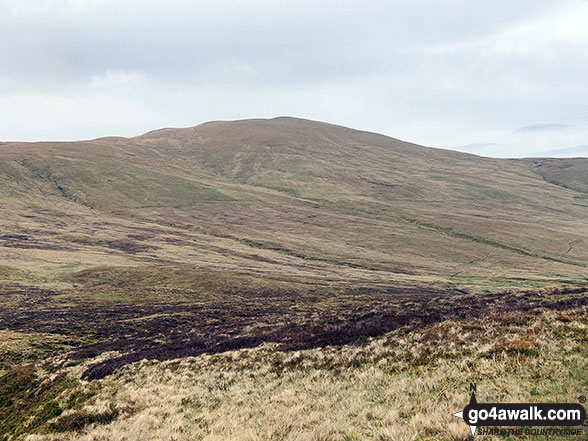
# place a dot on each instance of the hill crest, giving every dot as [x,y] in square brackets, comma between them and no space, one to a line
[287,196]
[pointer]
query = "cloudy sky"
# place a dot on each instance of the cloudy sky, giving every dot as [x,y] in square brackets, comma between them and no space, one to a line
[500,78]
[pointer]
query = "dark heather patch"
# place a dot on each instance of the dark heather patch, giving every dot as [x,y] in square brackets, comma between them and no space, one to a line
[166,331]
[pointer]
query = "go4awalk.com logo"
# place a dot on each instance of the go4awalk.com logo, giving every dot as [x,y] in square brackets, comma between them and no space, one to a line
[564,418]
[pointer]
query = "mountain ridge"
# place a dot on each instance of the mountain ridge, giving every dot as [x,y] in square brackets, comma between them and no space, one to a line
[293,197]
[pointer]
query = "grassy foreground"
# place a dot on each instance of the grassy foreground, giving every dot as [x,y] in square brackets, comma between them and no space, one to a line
[399,386]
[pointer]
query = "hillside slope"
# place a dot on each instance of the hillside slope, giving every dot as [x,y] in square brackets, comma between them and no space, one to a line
[288,200]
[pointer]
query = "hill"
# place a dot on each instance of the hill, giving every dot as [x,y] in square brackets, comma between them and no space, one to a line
[288,198]
[210,280]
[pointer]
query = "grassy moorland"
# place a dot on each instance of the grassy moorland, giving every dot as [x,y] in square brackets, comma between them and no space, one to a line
[282,279]
[402,385]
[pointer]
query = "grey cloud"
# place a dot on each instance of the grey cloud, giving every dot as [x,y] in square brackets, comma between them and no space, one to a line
[577,151]
[542,127]
[304,41]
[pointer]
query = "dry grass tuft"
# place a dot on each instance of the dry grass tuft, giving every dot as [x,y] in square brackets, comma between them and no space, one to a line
[381,390]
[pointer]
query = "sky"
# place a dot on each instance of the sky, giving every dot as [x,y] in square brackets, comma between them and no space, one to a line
[504,78]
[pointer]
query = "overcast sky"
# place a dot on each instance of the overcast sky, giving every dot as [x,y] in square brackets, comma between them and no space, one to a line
[500,78]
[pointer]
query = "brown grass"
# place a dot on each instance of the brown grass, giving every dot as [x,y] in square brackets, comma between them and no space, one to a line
[398,387]
[296,243]
[293,198]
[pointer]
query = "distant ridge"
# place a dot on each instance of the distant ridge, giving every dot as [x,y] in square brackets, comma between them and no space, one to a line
[290,197]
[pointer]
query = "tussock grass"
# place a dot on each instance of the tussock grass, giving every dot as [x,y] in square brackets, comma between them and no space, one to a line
[402,386]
